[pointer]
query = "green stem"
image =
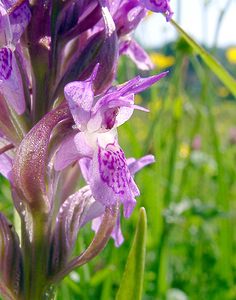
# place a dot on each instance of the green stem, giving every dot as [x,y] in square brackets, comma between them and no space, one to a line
[40,95]
[35,257]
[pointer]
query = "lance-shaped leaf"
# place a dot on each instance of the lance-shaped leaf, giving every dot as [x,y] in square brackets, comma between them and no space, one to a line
[132,281]
[29,168]
[10,261]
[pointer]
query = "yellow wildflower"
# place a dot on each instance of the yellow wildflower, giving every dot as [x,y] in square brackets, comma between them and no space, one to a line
[231,55]
[162,61]
[184,150]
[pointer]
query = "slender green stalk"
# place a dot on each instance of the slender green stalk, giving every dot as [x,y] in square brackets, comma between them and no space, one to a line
[35,257]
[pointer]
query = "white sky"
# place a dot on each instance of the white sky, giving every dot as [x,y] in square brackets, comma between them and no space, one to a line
[198,21]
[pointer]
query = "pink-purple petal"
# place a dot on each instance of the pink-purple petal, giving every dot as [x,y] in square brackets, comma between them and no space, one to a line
[19,20]
[94,210]
[144,83]
[79,95]
[128,16]
[137,54]
[160,6]
[5,29]
[136,165]
[107,109]
[85,167]
[6,166]
[117,233]
[67,153]
[10,80]
[82,145]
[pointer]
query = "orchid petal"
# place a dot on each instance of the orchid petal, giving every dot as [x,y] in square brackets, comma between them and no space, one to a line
[79,95]
[67,153]
[123,115]
[117,233]
[107,109]
[5,29]
[128,16]
[161,6]
[94,211]
[6,166]
[137,54]
[137,84]
[10,80]
[19,20]
[85,164]
[136,165]
[141,84]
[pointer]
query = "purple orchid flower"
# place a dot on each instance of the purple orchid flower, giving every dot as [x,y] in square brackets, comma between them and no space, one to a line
[12,27]
[127,15]
[95,138]
[136,53]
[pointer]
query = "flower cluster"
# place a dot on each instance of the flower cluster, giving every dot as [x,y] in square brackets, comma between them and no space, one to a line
[59,113]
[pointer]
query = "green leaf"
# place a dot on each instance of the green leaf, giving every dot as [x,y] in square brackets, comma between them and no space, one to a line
[132,281]
[212,63]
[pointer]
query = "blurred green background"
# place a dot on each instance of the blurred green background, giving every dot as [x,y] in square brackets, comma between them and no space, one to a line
[189,193]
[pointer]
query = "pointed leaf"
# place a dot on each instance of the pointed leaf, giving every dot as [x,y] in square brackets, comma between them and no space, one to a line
[132,281]
[212,63]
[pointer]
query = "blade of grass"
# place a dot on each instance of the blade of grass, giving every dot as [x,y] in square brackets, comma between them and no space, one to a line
[132,281]
[212,63]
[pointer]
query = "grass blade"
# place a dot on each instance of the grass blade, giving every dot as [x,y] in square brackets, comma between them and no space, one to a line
[132,281]
[212,63]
